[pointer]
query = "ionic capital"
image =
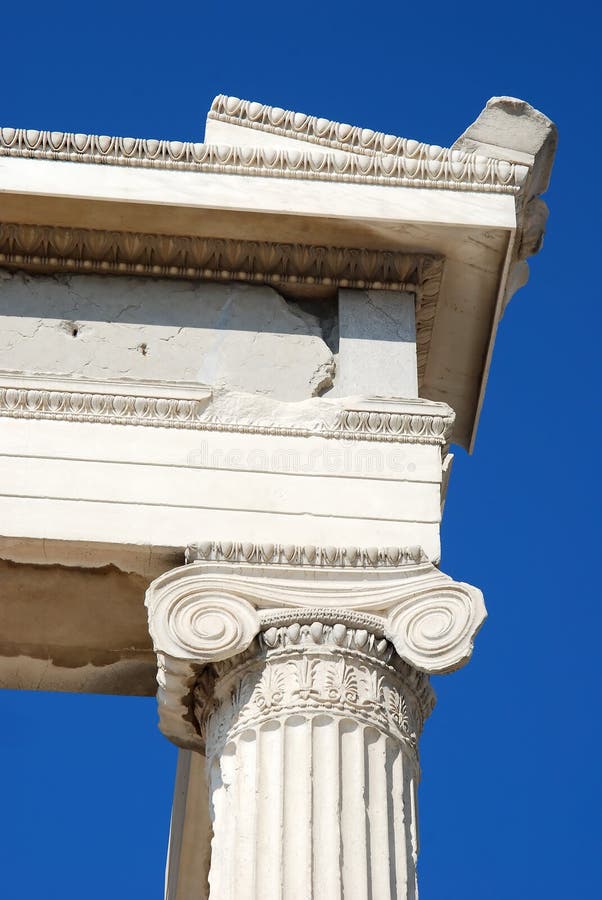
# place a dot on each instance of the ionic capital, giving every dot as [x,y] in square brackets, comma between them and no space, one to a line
[214,608]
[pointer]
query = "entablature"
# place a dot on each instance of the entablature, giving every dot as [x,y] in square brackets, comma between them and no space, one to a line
[311,206]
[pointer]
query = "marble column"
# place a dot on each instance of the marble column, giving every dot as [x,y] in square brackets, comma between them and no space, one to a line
[304,679]
[311,741]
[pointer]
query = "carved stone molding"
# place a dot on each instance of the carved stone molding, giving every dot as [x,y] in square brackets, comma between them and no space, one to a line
[311,741]
[315,130]
[214,609]
[114,403]
[434,167]
[408,419]
[309,555]
[313,669]
[181,406]
[54,248]
[47,249]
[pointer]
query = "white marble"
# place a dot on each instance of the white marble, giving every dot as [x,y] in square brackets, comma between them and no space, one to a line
[212,372]
[238,337]
[189,851]
[377,344]
[305,472]
[213,609]
[308,718]
[279,176]
[309,799]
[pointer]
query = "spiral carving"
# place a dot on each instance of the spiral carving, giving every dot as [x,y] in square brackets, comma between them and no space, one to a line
[435,631]
[206,626]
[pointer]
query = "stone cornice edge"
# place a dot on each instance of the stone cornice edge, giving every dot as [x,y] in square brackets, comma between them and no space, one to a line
[444,169]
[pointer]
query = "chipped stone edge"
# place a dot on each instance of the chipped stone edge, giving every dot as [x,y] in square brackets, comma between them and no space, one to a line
[174,406]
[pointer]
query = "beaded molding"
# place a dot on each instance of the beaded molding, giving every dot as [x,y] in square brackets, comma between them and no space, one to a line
[438,168]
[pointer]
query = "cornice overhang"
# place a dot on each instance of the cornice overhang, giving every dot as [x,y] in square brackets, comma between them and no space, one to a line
[350,207]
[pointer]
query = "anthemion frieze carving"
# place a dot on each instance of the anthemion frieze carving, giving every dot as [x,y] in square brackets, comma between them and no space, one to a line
[319,724]
[314,668]
[437,168]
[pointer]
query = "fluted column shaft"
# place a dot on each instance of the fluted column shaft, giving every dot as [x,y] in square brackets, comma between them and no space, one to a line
[311,741]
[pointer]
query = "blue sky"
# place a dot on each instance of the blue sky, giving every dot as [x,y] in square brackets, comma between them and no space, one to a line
[510,799]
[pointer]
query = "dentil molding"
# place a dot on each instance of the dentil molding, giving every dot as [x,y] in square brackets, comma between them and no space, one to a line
[215,608]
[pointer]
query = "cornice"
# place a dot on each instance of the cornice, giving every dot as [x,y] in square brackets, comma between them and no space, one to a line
[433,168]
[339,136]
[186,407]
[316,130]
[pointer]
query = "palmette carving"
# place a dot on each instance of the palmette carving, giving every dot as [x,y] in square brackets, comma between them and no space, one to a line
[238,612]
[308,670]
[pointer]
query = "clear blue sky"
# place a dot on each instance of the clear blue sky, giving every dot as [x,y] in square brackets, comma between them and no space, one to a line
[510,801]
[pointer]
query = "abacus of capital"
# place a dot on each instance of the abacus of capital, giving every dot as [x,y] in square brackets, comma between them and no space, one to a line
[233,374]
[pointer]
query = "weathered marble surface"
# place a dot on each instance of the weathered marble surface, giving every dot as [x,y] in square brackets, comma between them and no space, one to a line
[238,337]
[377,344]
